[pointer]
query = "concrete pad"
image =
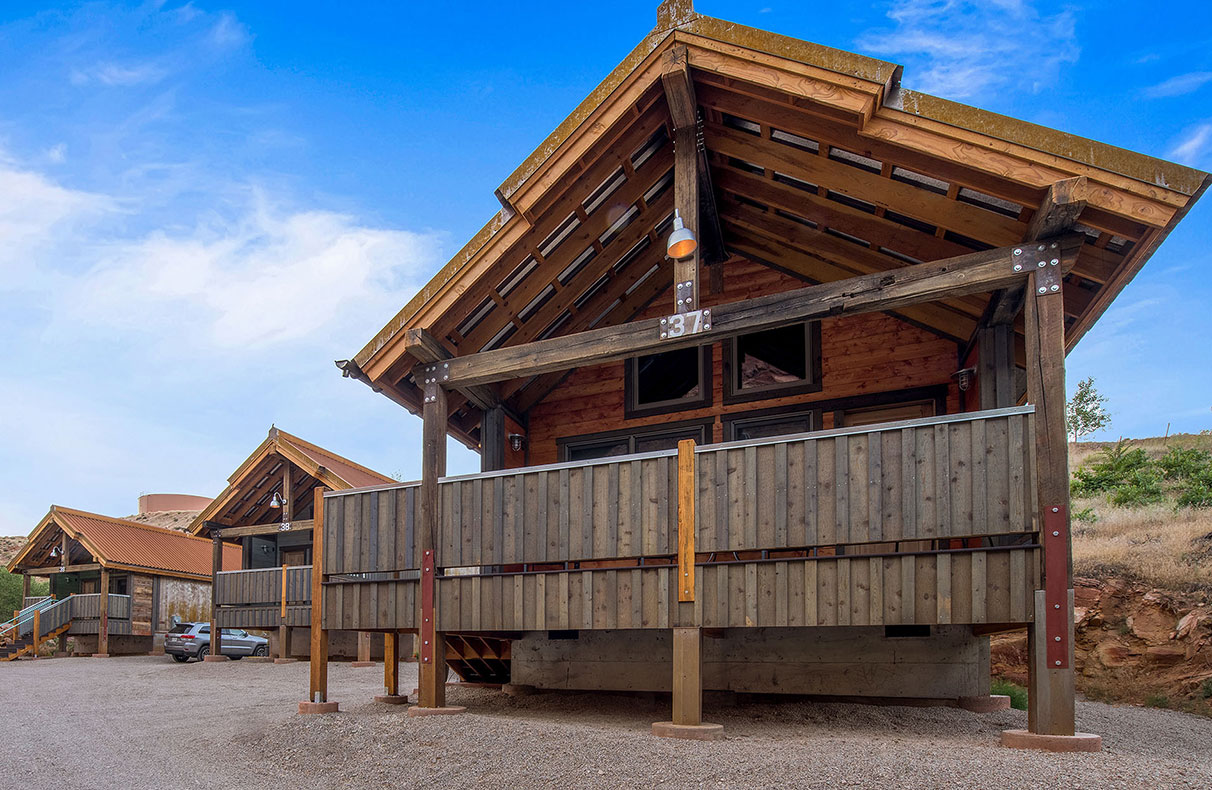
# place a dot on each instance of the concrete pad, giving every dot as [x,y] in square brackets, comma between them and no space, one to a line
[392,699]
[690,732]
[985,704]
[308,708]
[1077,742]
[286,660]
[449,710]
[258,659]
[518,689]
[100,655]
[362,664]
[214,659]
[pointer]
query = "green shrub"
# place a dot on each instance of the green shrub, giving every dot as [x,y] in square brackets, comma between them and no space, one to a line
[1157,701]
[1114,467]
[1016,693]
[1142,487]
[1086,515]
[1206,689]
[1184,463]
[1196,491]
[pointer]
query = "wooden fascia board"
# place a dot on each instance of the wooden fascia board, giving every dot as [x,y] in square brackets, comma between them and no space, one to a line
[306,445]
[43,525]
[883,291]
[52,569]
[157,571]
[300,525]
[321,473]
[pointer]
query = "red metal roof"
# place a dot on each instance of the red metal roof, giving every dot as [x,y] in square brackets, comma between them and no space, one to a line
[354,474]
[116,541]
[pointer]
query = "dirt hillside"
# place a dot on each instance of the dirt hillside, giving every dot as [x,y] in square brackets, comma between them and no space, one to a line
[9,546]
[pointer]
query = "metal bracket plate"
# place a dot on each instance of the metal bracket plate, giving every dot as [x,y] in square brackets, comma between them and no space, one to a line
[1056,585]
[427,612]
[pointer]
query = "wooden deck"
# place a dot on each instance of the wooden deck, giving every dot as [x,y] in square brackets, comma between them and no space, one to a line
[919,522]
[258,598]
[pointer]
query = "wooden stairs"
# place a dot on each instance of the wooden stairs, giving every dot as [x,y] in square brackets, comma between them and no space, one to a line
[12,650]
[478,659]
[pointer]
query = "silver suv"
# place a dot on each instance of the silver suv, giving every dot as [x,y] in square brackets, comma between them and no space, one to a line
[192,640]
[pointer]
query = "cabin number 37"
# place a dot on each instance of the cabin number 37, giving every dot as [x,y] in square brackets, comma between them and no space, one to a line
[690,323]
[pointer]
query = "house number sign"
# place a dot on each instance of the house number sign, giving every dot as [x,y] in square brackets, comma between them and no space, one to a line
[691,323]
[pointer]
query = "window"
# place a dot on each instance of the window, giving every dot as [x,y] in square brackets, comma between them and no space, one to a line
[608,445]
[783,361]
[744,428]
[667,381]
[852,418]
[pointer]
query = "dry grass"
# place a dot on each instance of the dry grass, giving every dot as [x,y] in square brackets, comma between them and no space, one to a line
[1081,453]
[1156,545]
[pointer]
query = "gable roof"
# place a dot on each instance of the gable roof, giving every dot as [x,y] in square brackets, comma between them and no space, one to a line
[254,479]
[824,164]
[118,543]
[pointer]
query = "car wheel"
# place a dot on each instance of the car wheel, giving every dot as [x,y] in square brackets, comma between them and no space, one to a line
[261,650]
[180,659]
[234,658]
[203,652]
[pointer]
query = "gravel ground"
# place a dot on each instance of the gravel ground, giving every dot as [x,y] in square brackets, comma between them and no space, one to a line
[149,723]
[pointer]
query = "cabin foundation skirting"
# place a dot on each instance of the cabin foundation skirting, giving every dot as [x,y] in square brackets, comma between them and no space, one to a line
[341,644]
[857,661]
[119,645]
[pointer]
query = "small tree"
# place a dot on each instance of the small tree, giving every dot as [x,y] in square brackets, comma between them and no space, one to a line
[1084,413]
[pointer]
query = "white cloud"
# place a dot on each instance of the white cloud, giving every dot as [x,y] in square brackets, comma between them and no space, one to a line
[960,48]
[1180,85]
[1192,148]
[229,31]
[119,75]
[57,153]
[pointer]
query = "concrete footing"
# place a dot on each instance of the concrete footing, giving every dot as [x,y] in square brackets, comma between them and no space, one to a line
[449,710]
[362,664]
[309,708]
[985,704]
[518,689]
[690,732]
[258,659]
[1077,742]
[392,699]
[213,659]
[286,660]
[100,655]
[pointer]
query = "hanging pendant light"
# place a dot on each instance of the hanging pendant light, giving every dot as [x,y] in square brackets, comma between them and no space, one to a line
[682,242]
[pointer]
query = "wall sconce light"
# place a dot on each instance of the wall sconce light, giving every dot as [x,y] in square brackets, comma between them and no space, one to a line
[682,242]
[277,501]
[963,378]
[517,441]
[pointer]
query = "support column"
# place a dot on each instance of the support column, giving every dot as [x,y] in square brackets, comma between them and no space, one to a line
[36,634]
[103,626]
[1050,711]
[391,670]
[24,588]
[687,685]
[363,650]
[492,439]
[317,693]
[283,631]
[216,565]
[431,667]
[995,371]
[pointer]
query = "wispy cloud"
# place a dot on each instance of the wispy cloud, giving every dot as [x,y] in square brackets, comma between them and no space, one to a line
[119,75]
[960,48]
[229,31]
[1180,85]
[1190,151]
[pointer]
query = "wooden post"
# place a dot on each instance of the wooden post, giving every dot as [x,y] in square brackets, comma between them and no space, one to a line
[432,665]
[216,565]
[686,200]
[995,368]
[1050,641]
[288,499]
[364,648]
[492,439]
[391,664]
[103,626]
[24,588]
[318,690]
[283,631]
[687,486]
[687,676]
[37,632]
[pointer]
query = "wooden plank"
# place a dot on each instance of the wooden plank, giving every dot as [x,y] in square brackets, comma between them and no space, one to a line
[318,685]
[687,485]
[980,587]
[972,273]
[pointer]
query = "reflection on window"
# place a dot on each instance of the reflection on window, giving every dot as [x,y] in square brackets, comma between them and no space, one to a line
[668,381]
[771,359]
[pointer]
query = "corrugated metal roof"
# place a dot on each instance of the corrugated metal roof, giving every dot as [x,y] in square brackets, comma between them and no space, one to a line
[121,542]
[354,474]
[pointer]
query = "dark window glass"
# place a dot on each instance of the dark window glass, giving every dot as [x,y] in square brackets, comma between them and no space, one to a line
[770,359]
[778,425]
[606,449]
[668,376]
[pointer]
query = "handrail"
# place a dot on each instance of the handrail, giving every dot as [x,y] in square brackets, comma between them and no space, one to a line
[15,626]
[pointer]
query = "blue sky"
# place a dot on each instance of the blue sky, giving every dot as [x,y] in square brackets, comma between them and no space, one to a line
[203,204]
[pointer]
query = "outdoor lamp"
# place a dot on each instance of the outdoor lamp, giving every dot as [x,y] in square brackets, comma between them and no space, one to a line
[682,242]
[277,501]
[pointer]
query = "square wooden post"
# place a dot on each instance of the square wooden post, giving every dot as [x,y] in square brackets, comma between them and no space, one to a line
[216,565]
[37,632]
[391,670]
[317,693]
[1051,678]
[364,650]
[283,631]
[492,439]
[431,667]
[103,626]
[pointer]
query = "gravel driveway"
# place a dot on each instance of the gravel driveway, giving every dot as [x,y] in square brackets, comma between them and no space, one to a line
[149,723]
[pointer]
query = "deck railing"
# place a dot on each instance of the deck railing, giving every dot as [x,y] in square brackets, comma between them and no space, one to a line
[257,598]
[86,613]
[920,521]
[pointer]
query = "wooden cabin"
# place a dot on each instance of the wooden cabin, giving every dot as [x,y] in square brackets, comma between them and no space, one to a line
[266,514]
[115,584]
[823,452]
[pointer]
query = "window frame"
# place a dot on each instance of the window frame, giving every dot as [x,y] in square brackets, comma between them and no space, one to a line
[812,365]
[565,445]
[633,409]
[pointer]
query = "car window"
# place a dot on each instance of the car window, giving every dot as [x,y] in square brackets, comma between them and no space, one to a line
[204,630]
[181,628]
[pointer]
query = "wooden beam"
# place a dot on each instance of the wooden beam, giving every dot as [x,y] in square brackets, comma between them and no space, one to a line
[391,663]
[302,525]
[288,509]
[687,487]
[318,680]
[492,440]
[974,273]
[49,571]
[432,666]
[1051,677]
[995,368]
[687,676]
[426,348]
